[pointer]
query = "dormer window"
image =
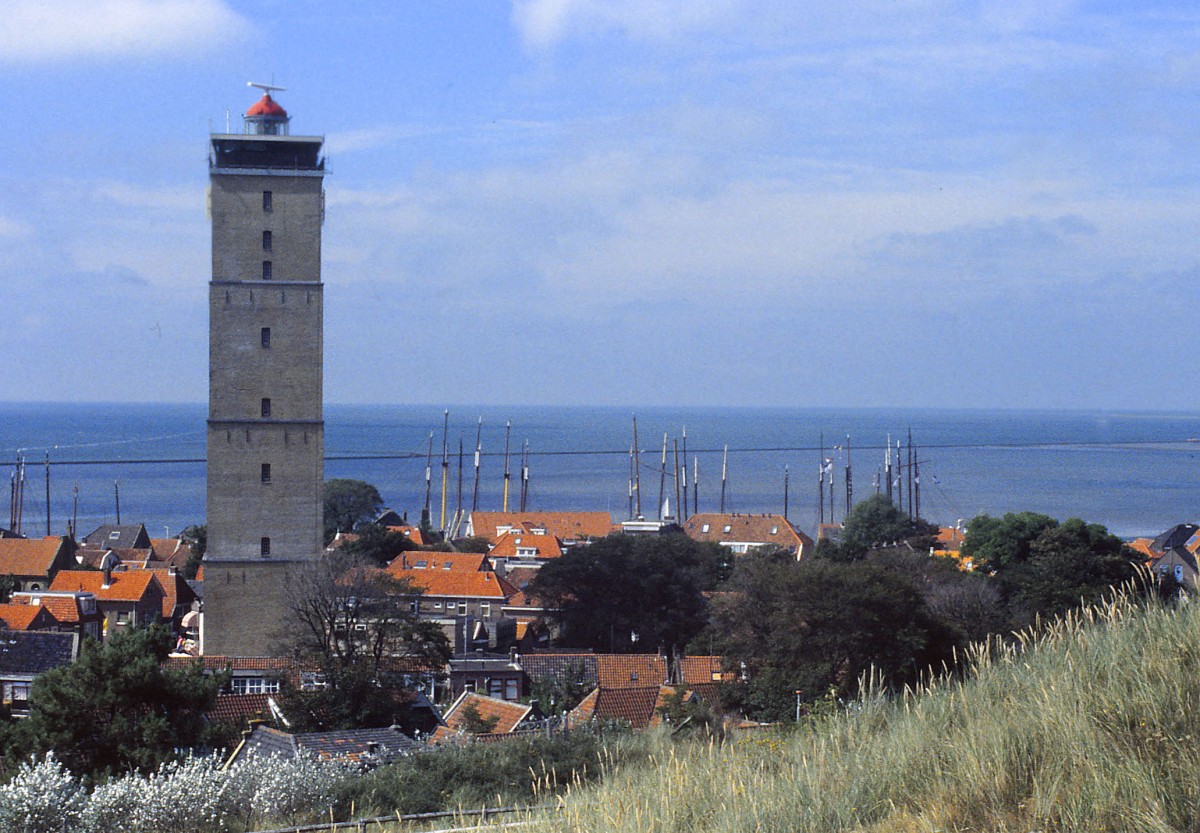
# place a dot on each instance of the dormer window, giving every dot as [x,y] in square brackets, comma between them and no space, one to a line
[727,528]
[112,536]
[704,528]
[774,530]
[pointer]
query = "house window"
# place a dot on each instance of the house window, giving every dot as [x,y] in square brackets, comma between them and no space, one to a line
[266,270]
[254,685]
[496,688]
[312,681]
[266,336]
[728,528]
[512,689]
[462,608]
[774,530]
[266,407]
[485,609]
[266,241]
[122,617]
[437,605]
[267,201]
[114,535]
[704,528]
[266,472]
[264,546]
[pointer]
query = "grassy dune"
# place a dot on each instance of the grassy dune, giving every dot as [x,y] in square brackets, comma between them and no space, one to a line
[1091,726]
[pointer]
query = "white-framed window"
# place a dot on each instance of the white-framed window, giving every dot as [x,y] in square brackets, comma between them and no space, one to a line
[462,607]
[704,527]
[485,609]
[312,681]
[123,617]
[254,685]
[727,528]
[437,605]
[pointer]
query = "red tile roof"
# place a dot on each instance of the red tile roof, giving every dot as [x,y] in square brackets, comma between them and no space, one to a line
[175,588]
[468,561]
[700,670]
[511,544]
[567,526]
[20,617]
[239,708]
[127,585]
[508,715]
[29,556]
[630,670]
[635,706]
[747,529]
[456,583]
[64,608]
[412,533]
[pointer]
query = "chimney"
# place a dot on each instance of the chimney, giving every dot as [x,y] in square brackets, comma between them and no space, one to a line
[107,576]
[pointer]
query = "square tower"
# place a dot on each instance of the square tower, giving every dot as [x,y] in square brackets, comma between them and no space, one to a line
[265,420]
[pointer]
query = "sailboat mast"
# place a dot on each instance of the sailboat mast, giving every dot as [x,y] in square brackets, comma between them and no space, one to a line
[785,492]
[428,479]
[678,501]
[724,471]
[684,513]
[662,479]
[637,470]
[849,479]
[445,466]
[478,454]
[507,434]
[821,480]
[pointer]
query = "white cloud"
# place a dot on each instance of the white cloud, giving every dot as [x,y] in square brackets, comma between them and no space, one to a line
[35,31]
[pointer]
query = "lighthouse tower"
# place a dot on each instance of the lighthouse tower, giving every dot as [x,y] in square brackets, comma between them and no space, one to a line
[265,420]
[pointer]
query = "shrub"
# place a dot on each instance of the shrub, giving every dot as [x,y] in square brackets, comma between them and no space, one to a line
[43,797]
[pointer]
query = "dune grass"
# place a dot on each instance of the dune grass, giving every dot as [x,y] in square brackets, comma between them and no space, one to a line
[1089,726]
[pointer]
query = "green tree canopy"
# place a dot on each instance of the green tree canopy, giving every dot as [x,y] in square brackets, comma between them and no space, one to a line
[117,708]
[628,593]
[996,543]
[1045,568]
[812,626]
[349,503]
[877,522]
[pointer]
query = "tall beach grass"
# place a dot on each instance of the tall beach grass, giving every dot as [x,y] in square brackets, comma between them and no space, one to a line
[1089,726]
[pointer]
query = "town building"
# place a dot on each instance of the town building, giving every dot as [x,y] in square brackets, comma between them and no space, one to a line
[741,532]
[32,563]
[265,421]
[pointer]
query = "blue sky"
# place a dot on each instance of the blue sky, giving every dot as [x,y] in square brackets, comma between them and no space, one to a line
[702,202]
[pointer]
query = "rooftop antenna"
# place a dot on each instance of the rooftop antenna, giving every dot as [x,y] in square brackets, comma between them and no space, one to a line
[267,88]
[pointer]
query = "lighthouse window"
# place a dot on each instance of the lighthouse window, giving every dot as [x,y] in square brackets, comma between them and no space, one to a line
[266,200]
[266,270]
[266,407]
[266,336]
[266,241]
[266,472]
[264,546]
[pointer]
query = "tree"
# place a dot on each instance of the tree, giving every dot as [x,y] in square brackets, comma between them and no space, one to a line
[196,537]
[877,522]
[995,543]
[377,545]
[628,593]
[117,708]
[473,723]
[1042,567]
[348,503]
[357,624]
[812,626]
[562,692]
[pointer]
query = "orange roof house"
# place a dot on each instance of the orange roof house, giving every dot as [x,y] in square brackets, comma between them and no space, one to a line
[178,595]
[525,546]
[74,612]
[569,527]
[451,583]
[631,670]
[459,561]
[20,617]
[741,533]
[33,562]
[508,716]
[638,707]
[125,598]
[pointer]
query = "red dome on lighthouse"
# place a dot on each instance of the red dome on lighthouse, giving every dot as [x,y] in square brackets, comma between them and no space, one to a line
[266,106]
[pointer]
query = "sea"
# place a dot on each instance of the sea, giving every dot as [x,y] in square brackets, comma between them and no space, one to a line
[1136,473]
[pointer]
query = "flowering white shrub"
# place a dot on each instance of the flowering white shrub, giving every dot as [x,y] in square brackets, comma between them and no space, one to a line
[191,796]
[181,797]
[275,789]
[43,797]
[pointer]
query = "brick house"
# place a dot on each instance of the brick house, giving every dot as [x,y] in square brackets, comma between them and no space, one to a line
[32,563]
[742,533]
[126,599]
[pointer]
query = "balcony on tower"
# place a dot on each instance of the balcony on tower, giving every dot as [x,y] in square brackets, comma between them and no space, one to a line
[265,143]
